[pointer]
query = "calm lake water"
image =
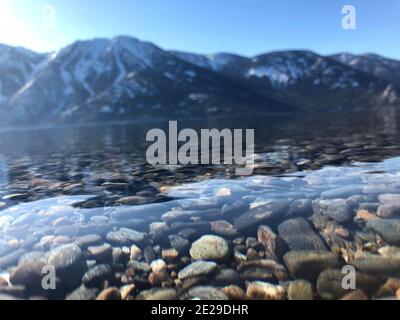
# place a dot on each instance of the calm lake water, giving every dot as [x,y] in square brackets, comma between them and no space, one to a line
[80,197]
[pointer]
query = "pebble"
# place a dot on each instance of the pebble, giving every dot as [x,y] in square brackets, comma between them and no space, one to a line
[170,255]
[210,247]
[265,291]
[275,247]
[377,265]
[135,252]
[96,275]
[127,291]
[109,294]
[83,293]
[299,235]
[234,293]
[389,210]
[66,259]
[309,264]
[207,293]
[329,284]
[179,243]
[197,268]
[158,265]
[261,214]
[158,294]
[126,236]
[88,240]
[300,290]
[388,229]
[355,295]
[223,228]
[101,253]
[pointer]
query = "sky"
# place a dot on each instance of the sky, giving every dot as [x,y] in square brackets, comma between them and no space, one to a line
[246,27]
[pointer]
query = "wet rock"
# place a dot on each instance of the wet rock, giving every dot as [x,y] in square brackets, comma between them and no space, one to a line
[365,215]
[158,265]
[126,236]
[261,214]
[389,198]
[207,293]
[265,291]
[198,268]
[66,259]
[140,267]
[262,269]
[134,200]
[309,264]
[355,295]
[300,290]
[275,247]
[158,279]
[226,277]
[390,251]
[101,253]
[11,259]
[158,294]
[127,213]
[234,293]
[127,291]
[170,255]
[329,284]
[223,228]
[388,229]
[120,255]
[135,253]
[341,193]
[299,235]
[377,265]
[83,293]
[88,240]
[389,210]
[109,294]
[339,211]
[210,247]
[30,276]
[97,275]
[179,243]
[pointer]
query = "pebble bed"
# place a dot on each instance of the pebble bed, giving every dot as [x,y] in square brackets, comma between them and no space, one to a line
[260,237]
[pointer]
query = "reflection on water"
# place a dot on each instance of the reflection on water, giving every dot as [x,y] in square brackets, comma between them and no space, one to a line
[325,193]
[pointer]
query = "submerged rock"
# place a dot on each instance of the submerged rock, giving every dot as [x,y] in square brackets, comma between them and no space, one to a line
[388,229]
[265,291]
[300,290]
[299,235]
[309,264]
[198,268]
[210,247]
[207,293]
[263,213]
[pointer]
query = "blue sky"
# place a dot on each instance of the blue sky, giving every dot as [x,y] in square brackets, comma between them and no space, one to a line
[246,27]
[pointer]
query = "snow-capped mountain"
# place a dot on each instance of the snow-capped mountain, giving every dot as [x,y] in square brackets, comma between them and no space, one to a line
[305,79]
[124,78]
[383,68]
[17,67]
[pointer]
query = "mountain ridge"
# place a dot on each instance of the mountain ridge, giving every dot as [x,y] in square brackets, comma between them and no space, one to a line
[126,78]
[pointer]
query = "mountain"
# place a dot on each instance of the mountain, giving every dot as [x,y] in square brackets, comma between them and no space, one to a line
[381,67]
[304,79]
[124,79]
[17,67]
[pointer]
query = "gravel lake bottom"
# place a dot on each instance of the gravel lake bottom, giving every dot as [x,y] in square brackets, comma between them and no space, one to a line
[324,197]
